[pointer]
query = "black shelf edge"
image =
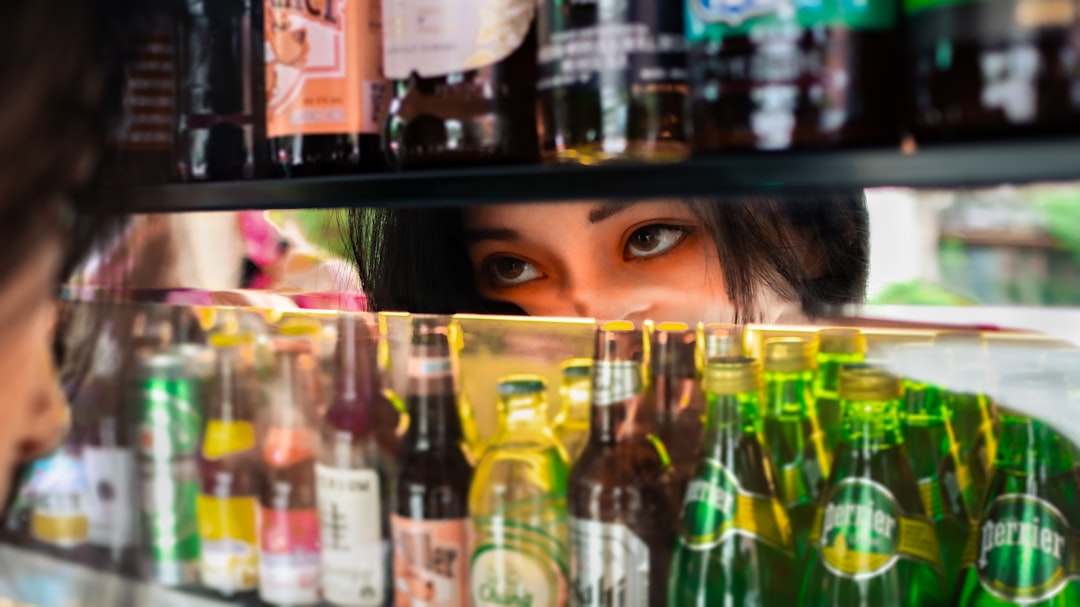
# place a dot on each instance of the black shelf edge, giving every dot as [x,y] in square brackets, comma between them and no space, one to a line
[937,166]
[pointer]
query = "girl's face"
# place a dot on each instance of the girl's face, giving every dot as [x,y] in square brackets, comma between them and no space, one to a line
[607,260]
[35,413]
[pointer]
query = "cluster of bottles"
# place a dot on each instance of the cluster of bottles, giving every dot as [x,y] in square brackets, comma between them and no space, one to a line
[684,466]
[291,88]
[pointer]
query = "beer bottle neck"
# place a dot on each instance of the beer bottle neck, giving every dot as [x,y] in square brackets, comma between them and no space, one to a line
[574,398]
[1031,447]
[872,424]
[618,407]
[522,417]
[828,374]
[787,395]
[727,417]
[434,422]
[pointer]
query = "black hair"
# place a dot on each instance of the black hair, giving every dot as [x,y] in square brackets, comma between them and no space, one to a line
[812,249]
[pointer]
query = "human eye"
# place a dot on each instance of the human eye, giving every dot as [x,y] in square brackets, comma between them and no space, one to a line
[653,240]
[507,271]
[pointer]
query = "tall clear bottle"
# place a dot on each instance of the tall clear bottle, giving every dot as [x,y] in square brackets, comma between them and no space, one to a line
[735,545]
[837,347]
[575,395]
[677,397]
[944,481]
[871,543]
[429,524]
[289,560]
[354,476]
[517,505]
[622,516]
[229,473]
[792,434]
[1026,548]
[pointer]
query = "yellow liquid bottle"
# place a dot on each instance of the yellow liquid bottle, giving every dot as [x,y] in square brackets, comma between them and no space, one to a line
[575,394]
[517,505]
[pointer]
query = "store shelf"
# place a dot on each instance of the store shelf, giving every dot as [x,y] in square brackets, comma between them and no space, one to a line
[941,166]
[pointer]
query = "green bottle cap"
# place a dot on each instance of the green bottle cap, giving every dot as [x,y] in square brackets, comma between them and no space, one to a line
[867,382]
[521,384]
[789,355]
[735,376]
[577,368]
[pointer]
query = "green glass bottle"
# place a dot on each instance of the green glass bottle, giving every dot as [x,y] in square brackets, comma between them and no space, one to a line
[735,543]
[944,481]
[1026,548]
[792,434]
[517,505]
[575,397]
[872,544]
[975,425]
[837,347]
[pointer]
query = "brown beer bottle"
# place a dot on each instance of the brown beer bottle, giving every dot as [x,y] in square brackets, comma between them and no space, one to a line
[622,516]
[991,68]
[775,75]
[463,82]
[677,396]
[324,86]
[431,513]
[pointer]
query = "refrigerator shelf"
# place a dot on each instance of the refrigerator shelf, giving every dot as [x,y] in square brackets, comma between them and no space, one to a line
[931,166]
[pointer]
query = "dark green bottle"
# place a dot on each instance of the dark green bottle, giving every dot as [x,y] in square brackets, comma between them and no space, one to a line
[734,544]
[794,440]
[944,481]
[872,545]
[1026,548]
[837,348]
[975,426]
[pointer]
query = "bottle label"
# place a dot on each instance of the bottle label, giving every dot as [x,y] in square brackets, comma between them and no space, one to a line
[614,381]
[1023,550]
[609,565]
[930,494]
[229,558]
[716,19]
[640,43]
[289,562]
[514,564]
[352,546]
[226,438]
[110,504]
[323,67]
[438,37]
[429,562]
[862,532]
[59,515]
[716,509]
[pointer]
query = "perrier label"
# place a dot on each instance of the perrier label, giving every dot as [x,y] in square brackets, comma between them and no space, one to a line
[871,542]
[1026,549]
[735,545]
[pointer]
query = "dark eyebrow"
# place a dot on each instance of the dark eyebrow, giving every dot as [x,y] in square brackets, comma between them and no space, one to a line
[605,210]
[505,234]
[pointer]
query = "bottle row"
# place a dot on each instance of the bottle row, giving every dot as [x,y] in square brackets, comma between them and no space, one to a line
[716,465]
[283,88]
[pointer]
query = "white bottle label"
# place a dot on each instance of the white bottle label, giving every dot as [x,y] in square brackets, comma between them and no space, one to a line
[609,565]
[439,37]
[110,504]
[351,532]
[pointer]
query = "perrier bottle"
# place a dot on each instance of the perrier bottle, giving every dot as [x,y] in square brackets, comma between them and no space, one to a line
[944,481]
[735,543]
[1026,548]
[871,543]
[517,505]
[838,347]
[792,434]
[622,526]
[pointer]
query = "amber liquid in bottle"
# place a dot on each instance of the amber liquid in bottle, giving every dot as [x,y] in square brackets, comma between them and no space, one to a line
[432,489]
[622,516]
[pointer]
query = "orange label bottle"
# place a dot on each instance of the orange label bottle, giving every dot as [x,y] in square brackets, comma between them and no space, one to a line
[429,562]
[323,67]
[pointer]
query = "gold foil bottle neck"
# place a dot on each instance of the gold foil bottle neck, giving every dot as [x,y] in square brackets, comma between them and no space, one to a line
[867,382]
[789,355]
[842,341]
[735,376]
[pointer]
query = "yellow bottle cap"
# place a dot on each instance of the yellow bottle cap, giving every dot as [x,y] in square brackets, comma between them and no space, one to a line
[735,376]
[867,382]
[228,340]
[842,341]
[789,355]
